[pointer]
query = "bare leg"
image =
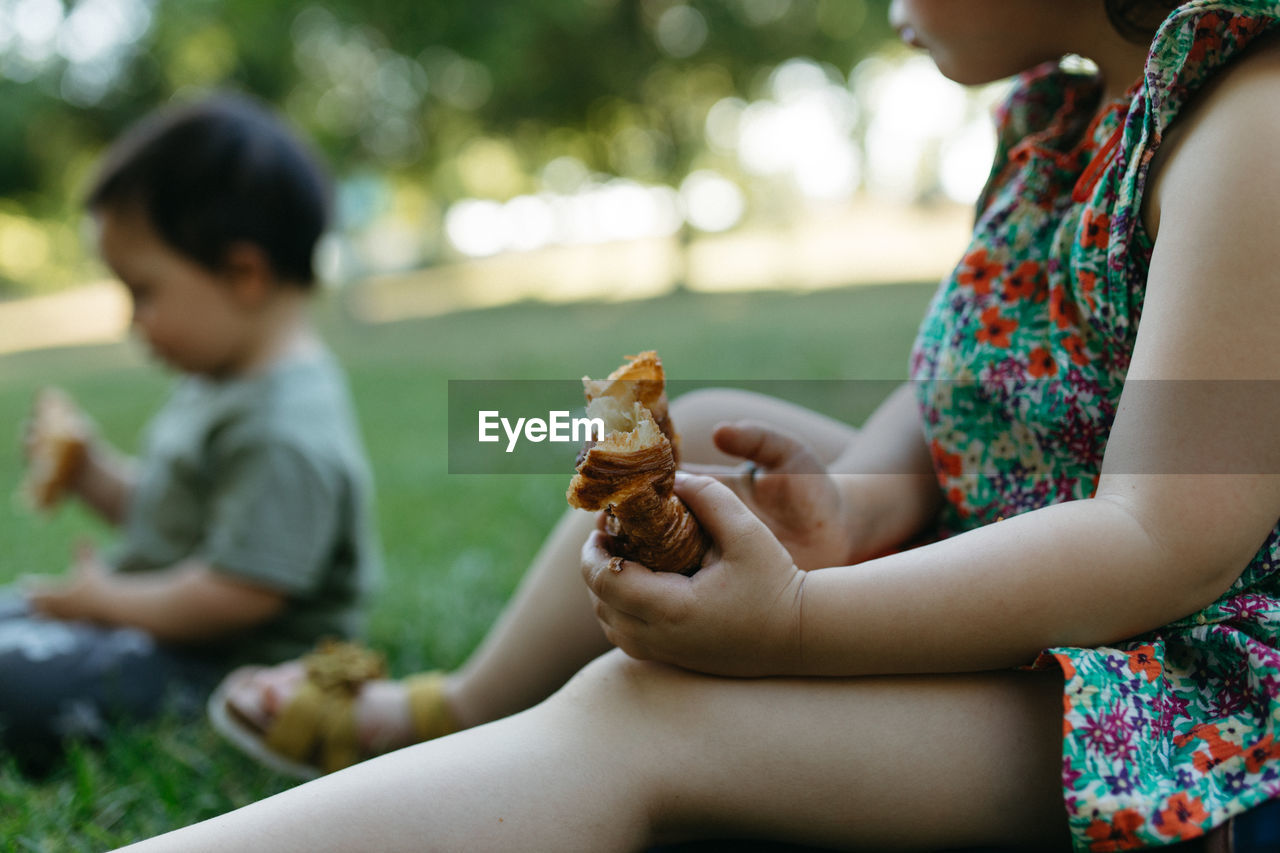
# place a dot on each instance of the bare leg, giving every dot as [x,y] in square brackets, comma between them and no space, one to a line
[697,414]
[629,753]
[548,631]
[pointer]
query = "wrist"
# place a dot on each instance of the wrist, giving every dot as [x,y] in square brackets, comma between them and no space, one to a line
[84,472]
[886,511]
[797,655]
[96,602]
[858,508]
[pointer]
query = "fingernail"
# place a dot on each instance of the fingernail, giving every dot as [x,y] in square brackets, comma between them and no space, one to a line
[682,476]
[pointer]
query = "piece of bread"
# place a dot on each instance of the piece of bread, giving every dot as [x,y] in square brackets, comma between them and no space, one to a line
[56,451]
[640,380]
[631,472]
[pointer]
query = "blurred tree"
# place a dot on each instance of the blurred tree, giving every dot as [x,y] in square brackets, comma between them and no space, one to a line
[465,97]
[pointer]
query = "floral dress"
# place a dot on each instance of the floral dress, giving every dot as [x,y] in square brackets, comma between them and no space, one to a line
[1019,367]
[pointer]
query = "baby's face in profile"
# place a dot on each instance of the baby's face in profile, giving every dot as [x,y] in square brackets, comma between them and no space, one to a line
[188,315]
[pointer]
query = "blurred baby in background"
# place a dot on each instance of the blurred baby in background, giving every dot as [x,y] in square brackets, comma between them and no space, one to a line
[246,520]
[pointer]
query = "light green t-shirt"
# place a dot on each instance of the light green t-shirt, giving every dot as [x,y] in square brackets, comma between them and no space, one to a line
[263,478]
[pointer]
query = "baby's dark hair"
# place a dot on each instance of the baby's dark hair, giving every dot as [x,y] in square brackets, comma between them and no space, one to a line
[219,171]
[1137,20]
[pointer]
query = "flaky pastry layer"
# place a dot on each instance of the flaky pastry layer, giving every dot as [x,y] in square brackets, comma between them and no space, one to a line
[631,472]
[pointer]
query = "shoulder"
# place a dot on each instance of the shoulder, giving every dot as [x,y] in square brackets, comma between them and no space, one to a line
[1224,142]
[304,408]
[1213,288]
[301,397]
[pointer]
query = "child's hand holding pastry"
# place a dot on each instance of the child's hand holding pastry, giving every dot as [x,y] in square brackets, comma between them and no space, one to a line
[738,615]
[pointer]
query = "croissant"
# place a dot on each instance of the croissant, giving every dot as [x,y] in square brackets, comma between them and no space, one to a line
[57,451]
[640,380]
[630,473]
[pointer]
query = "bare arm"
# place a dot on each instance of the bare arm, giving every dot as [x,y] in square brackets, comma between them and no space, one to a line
[188,603]
[106,481]
[1178,514]
[886,478]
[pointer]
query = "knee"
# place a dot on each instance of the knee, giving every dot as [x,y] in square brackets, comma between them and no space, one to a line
[628,693]
[697,413]
[598,685]
[620,711]
[712,405]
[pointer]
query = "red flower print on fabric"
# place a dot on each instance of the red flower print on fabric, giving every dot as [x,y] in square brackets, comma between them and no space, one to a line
[957,498]
[1242,28]
[1062,311]
[1208,38]
[1040,363]
[947,464]
[1075,348]
[977,271]
[1088,284]
[1143,660]
[1119,834]
[1095,230]
[1182,817]
[1261,753]
[1024,283]
[1219,748]
[995,329]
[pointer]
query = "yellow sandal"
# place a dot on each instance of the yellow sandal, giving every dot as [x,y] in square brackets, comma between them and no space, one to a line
[316,732]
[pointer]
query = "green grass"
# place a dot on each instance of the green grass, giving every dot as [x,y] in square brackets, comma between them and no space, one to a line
[447,573]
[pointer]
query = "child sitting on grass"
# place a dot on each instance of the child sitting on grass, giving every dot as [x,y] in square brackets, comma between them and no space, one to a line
[246,521]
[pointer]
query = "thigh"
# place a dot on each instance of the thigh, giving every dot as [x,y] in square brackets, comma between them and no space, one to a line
[70,679]
[629,754]
[893,762]
[697,414]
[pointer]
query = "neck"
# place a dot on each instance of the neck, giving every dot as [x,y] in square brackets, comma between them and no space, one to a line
[283,331]
[1119,61]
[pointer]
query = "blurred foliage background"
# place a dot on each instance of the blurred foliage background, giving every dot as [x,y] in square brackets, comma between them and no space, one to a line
[464,128]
